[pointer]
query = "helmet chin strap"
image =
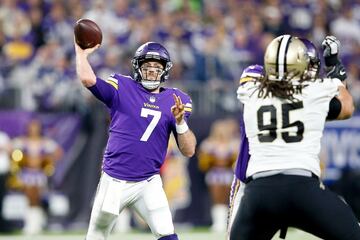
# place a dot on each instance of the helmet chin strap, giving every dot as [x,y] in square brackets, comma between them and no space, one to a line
[149,84]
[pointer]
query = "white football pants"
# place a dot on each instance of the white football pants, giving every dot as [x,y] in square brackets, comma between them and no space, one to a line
[146,197]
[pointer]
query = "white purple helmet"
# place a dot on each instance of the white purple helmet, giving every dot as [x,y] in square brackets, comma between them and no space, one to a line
[151,51]
[314,66]
[255,71]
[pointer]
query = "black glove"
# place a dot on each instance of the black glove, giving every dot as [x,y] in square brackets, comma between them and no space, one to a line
[334,67]
[337,71]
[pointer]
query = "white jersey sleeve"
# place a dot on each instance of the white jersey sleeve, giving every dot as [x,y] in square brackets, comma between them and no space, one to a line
[246,89]
[282,134]
[328,87]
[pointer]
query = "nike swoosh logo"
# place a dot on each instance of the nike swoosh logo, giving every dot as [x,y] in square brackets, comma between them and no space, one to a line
[342,72]
[150,179]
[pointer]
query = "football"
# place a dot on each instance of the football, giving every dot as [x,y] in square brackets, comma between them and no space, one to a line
[87,33]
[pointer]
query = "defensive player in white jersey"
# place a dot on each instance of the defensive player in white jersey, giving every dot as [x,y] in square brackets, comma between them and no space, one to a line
[334,69]
[284,114]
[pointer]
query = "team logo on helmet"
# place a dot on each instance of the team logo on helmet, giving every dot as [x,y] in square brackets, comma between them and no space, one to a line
[286,58]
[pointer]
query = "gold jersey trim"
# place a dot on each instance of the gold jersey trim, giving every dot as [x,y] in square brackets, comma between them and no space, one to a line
[245,79]
[112,84]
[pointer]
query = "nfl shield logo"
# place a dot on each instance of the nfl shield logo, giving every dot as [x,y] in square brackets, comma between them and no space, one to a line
[152,99]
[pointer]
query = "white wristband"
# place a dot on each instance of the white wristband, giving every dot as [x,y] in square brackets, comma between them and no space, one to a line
[182,128]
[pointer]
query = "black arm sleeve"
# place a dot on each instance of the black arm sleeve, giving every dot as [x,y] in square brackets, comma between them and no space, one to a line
[334,109]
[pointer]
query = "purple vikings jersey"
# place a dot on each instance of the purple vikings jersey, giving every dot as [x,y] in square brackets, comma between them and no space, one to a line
[249,73]
[244,156]
[141,124]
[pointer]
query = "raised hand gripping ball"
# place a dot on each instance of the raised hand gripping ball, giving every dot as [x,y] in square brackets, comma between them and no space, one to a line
[87,33]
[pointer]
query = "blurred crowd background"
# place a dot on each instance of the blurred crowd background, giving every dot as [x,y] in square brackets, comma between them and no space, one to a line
[210,43]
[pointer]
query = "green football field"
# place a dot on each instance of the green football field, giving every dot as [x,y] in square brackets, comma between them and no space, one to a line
[192,235]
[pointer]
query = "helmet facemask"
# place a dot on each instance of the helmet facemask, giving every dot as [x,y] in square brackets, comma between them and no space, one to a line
[151,75]
[314,64]
[151,52]
[314,68]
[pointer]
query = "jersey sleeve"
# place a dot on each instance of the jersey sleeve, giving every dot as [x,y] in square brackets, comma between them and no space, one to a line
[186,100]
[188,106]
[331,87]
[248,81]
[247,87]
[106,90]
[324,90]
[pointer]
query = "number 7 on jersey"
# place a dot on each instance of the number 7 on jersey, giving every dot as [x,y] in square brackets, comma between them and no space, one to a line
[145,112]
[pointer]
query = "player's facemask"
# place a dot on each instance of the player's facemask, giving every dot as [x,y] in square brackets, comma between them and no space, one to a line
[151,51]
[314,69]
[150,77]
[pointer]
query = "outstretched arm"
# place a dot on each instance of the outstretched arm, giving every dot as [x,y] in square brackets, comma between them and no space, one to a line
[341,106]
[185,137]
[347,104]
[84,70]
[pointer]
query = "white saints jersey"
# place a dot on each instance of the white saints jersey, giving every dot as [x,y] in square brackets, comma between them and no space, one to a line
[284,135]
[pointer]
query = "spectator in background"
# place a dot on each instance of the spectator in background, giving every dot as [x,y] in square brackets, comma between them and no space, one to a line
[217,154]
[37,29]
[203,34]
[273,18]
[38,154]
[5,148]
[103,16]
[58,26]
[347,28]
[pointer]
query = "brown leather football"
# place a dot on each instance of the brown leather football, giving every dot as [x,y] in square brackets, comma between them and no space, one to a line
[87,33]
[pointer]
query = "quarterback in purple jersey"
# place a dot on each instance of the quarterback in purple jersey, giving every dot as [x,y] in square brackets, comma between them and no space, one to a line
[143,115]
